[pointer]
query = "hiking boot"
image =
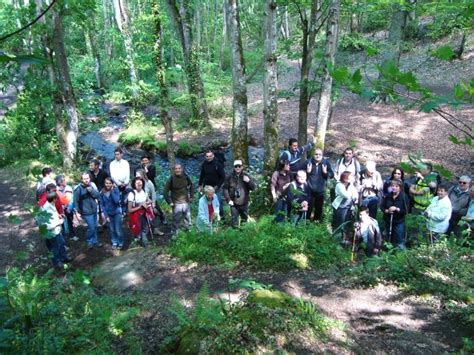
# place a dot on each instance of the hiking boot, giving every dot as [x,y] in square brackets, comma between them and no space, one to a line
[144,241]
[99,245]
[75,239]
[68,259]
[158,232]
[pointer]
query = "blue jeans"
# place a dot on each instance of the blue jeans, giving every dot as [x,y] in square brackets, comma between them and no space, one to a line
[281,210]
[371,202]
[56,247]
[116,232]
[91,221]
[398,233]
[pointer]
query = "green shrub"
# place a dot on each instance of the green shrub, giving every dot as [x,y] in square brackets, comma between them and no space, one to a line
[262,245]
[355,42]
[256,322]
[41,314]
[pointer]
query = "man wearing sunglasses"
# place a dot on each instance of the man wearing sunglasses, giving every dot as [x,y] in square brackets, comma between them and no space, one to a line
[237,187]
[459,196]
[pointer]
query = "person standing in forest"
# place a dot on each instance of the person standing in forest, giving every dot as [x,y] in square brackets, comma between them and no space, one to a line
[348,163]
[296,155]
[86,196]
[179,193]
[367,230]
[237,187]
[119,170]
[46,178]
[299,197]
[66,197]
[423,189]
[394,207]
[279,184]
[207,211]
[346,197]
[319,171]
[110,201]
[370,188]
[460,199]
[97,174]
[438,213]
[147,165]
[212,174]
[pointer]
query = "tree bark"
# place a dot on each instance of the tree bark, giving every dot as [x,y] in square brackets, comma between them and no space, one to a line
[107,26]
[182,24]
[123,24]
[223,38]
[395,34]
[239,104]
[270,86]
[96,56]
[310,29]
[160,76]
[325,99]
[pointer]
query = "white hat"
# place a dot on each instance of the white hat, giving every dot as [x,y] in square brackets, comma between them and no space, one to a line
[370,166]
[238,162]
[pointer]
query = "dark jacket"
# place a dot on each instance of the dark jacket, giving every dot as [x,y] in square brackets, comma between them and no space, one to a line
[212,174]
[236,190]
[400,202]
[459,200]
[180,187]
[151,174]
[99,179]
[296,159]
[316,178]
[298,193]
[111,204]
[84,201]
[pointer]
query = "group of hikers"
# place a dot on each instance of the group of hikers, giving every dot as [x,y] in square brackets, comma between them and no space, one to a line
[298,188]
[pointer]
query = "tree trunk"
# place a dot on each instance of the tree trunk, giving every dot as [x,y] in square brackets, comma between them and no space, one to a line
[107,26]
[182,25]
[67,92]
[224,35]
[354,18]
[310,29]
[96,56]
[462,44]
[395,34]
[123,24]
[160,76]
[325,99]
[239,104]
[270,86]
[197,25]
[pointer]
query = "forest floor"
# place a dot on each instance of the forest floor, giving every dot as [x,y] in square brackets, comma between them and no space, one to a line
[377,320]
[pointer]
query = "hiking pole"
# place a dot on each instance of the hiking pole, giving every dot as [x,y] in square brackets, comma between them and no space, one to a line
[353,245]
[390,229]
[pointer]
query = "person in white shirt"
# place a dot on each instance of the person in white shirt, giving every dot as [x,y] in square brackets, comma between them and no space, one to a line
[348,163]
[119,171]
[370,188]
[438,213]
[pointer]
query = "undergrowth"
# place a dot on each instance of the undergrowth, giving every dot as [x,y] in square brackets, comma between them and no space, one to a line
[262,320]
[262,245]
[44,314]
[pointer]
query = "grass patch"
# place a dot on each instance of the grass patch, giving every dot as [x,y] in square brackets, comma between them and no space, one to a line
[262,245]
[264,321]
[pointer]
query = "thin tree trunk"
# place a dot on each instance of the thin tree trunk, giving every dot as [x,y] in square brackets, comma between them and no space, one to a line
[123,24]
[67,92]
[325,99]
[223,38]
[460,50]
[107,26]
[96,56]
[395,35]
[239,104]
[182,24]
[270,86]
[310,29]
[160,75]
[197,25]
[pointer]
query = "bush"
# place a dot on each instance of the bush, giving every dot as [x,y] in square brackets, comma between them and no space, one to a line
[355,42]
[264,319]
[41,314]
[444,269]
[262,245]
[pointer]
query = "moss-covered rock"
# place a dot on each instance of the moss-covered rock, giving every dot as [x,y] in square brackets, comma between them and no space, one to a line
[269,298]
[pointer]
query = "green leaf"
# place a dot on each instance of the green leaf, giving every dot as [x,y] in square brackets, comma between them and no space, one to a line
[14,219]
[357,76]
[458,92]
[429,106]
[454,139]
[371,51]
[340,74]
[443,53]
[22,59]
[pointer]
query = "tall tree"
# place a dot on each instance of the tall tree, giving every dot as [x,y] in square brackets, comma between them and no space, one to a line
[396,33]
[325,98]
[239,104]
[94,50]
[270,86]
[223,38]
[160,76]
[310,28]
[182,22]
[123,23]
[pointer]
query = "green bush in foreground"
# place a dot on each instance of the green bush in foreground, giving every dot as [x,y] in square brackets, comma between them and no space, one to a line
[42,314]
[444,269]
[264,320]
[263,245]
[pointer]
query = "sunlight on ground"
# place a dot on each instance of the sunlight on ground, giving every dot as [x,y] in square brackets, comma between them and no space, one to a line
[132,278]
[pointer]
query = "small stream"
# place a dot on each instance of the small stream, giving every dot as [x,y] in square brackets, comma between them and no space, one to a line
[103,142]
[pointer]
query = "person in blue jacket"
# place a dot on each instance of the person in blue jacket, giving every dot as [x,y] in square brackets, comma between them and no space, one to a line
[112,212]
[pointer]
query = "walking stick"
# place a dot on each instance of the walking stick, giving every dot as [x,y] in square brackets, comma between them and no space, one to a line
[390,229]
[353,245]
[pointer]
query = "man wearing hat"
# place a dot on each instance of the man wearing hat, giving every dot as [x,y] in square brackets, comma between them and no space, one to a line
[237,187]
